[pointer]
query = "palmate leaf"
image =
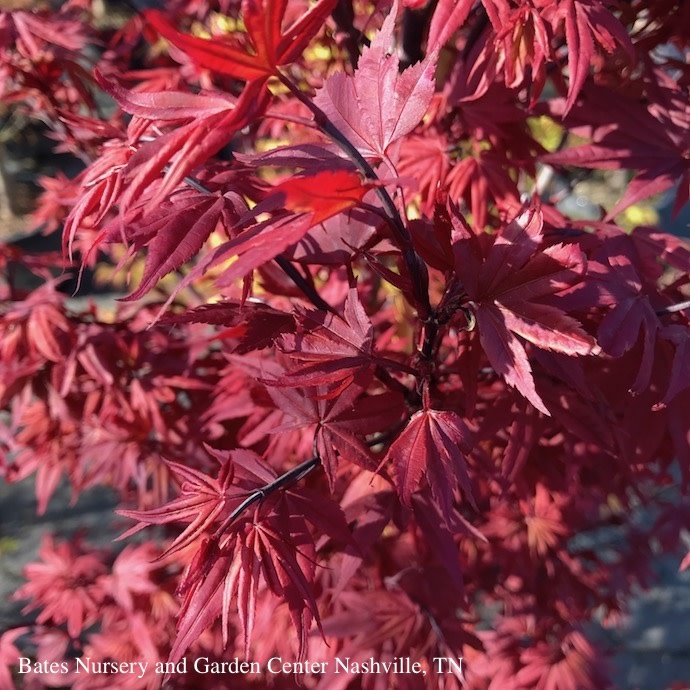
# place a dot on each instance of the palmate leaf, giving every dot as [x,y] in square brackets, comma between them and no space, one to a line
[323,194]
[433,445]
[576,666]
[253,325]
[378,105]
[585,23]
[329,349]
[588,24]
[283,556]
[214,120]
[180,228]
[269,546]
[621,329]
[651,140]
[201,504]
[271,47]
[373,618]
[341,423]
[631,319]
[264,241]
[515,288]
[165,105]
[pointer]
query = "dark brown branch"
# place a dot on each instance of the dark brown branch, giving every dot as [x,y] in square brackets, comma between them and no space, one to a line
[673,308]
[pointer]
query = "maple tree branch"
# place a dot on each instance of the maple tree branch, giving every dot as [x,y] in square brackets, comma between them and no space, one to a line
[415,265]
[310,292]
[673,308]
[290,477]
[430,335]
[284,117]
[285,480]
[308,289]
[411,396]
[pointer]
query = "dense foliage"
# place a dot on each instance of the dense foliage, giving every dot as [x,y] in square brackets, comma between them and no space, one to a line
[372,382]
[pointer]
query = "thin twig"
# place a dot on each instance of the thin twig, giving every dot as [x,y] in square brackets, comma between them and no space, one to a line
[671,309]
[283,481]
[290,477]
[416,267]
[304,285]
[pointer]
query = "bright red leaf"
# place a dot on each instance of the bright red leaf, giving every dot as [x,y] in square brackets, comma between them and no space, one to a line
[510,287]
[585,23]
[378,105]
[271,48]
[433,445]
[323,194]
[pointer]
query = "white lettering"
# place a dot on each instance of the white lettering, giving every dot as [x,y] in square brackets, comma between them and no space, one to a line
[168,668]
[83,665]
[399,666]
[446,664]
[274,664]
[203,665]
[341,665]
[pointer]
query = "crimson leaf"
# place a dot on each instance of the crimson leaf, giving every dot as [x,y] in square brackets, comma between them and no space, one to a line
[433,445]
[509,285]
[377,106]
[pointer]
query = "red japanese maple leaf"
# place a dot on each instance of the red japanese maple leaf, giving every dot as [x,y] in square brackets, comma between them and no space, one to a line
[297,213]
[204,124]
[632,317]
[511,286]
[587,21]
[578,665]
[271,47]
[272,545]
[377,106]
[323,194]
[329,349]
[176,230]
[64,585]
[373,620]
[202,503]
[341,423]
[132,574]
[652,139]
[433,445]
[252,325]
